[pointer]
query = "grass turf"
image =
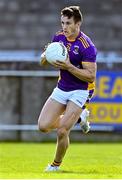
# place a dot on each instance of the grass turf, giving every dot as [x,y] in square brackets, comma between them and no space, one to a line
[28,160]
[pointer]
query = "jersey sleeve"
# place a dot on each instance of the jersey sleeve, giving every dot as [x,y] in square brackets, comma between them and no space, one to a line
[89,54]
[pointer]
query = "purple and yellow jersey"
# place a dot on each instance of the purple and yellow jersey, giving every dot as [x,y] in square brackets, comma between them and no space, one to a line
[80,51]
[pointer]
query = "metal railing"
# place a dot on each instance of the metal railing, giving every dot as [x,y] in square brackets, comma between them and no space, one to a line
[34,56]
[34,127]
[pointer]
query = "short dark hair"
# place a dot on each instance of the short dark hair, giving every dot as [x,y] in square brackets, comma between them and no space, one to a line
[72,11]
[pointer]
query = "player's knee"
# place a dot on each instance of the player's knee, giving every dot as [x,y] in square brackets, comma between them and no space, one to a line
[42,127]
[62,132]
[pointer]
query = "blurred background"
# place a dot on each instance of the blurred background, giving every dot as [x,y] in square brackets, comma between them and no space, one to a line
[26,26]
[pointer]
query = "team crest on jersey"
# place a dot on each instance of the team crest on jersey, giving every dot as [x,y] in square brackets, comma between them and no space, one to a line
[76,49]
[68,46]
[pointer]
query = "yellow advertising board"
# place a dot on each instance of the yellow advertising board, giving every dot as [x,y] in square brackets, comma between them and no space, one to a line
[106,105]
[106,112]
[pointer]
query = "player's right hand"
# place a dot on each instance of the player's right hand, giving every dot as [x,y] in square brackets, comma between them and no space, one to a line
[42,59]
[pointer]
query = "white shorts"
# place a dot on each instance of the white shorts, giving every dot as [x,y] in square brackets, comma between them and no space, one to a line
[79,97]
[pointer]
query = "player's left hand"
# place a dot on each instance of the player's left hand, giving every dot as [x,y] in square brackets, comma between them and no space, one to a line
[63,65]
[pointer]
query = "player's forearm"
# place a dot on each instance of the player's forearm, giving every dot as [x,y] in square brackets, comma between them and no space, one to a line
[82,74]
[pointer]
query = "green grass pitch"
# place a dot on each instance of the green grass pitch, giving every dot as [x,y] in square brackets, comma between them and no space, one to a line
[28,160]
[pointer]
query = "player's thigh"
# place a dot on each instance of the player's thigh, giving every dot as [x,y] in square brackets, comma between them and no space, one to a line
[50,112]
[70,116]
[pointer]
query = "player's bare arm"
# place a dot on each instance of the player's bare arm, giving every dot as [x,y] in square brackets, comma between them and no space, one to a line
[88,73]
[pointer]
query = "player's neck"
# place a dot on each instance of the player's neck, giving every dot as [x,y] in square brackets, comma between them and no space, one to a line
[73,36]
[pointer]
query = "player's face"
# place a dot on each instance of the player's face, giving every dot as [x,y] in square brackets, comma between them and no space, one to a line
[70,28]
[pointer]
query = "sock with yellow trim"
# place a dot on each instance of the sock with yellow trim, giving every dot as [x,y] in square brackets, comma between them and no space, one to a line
[55,163]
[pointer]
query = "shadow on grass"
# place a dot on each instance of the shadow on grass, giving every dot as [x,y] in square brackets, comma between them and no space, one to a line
[79,172]
[66,172]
